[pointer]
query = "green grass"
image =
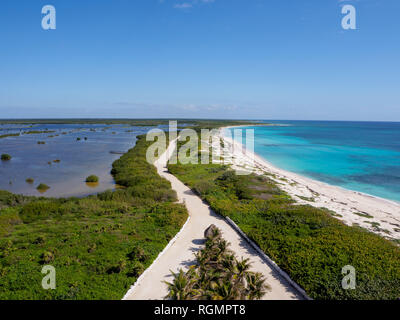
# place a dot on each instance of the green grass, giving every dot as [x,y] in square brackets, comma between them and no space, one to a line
[307,242]
[99,245]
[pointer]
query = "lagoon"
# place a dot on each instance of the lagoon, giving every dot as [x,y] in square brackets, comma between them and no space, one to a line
[69,154]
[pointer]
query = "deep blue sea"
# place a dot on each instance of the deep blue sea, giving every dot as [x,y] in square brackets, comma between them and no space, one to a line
[360,156]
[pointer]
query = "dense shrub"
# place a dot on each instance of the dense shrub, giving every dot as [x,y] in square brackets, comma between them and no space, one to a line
[139,177]
[42,187]
[5,157]
[9,218]
[138,254]
[8,199]
[92,178]
[39,210]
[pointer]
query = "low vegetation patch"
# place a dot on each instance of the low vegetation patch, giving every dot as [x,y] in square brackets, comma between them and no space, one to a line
[363,214]
[42,187]
[9,135]
[30,180]
[38,131]
[5,157]
[309,199]
[92,179]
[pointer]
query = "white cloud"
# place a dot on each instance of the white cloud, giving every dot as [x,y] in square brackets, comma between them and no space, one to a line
[190,3]
[184,5]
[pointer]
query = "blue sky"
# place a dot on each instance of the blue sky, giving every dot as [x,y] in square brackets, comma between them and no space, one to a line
[250,59]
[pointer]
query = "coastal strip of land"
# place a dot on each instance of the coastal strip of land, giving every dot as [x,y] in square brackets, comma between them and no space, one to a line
[180,254]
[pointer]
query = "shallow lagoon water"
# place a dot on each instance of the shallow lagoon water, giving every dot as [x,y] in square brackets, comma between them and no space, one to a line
[78,159]
[360,156]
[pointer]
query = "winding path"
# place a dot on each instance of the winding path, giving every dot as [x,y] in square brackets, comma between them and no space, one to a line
[180,252]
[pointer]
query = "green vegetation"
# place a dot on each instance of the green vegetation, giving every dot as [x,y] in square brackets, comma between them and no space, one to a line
[217,275]
[308,243]
[99,245]
[309,199]
[38,131]
[9,135]
[5,157]
[363,214]
[133,122]
[41,142]
[43,187]
[92,179]
[30,180]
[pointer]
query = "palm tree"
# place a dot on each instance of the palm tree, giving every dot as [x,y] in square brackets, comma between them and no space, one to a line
[243,266]
[225,291]
[181,287]
[256,286]
[218,275]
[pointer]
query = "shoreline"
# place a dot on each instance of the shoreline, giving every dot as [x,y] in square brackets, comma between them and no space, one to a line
[269,164]
[378,215]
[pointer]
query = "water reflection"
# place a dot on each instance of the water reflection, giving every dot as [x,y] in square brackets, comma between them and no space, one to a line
[92,185]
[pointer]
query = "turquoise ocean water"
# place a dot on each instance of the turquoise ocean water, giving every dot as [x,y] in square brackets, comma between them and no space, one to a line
[360,156]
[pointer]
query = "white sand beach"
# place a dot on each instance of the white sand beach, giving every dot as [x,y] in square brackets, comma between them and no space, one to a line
[180,252]
[353,208]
